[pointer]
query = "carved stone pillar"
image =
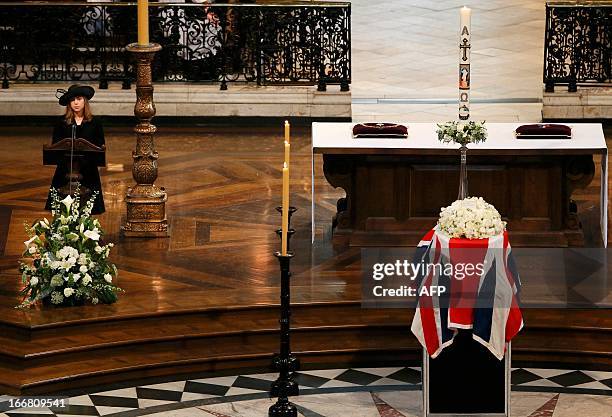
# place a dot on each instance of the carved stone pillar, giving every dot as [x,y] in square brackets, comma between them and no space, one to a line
[146,203]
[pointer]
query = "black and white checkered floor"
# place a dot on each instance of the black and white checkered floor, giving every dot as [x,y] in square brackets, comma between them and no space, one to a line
[162,398]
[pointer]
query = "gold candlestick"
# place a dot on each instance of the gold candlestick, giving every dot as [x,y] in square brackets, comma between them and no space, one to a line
[146,203]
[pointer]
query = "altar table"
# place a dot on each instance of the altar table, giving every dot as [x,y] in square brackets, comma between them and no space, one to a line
[396,187]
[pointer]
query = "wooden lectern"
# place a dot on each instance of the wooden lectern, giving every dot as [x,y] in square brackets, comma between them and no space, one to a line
[81,152]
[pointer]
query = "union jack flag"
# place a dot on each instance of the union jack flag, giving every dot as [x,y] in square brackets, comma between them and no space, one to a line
[484,300]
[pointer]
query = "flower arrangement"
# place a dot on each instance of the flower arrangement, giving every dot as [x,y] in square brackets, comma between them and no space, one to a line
[69,262]
[471,218]
[464,133]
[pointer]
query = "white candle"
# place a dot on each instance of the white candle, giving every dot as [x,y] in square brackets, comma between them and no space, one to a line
[464,62]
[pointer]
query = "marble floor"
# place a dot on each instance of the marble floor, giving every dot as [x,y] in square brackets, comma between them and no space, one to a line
[405,59]
[364,392]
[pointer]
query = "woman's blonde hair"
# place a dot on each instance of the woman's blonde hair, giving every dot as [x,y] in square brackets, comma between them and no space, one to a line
[69,114]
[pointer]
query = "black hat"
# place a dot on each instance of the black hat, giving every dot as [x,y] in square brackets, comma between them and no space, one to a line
[72,92]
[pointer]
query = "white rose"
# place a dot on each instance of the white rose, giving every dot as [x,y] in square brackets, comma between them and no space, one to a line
[33,281]
[83,269]
[68,292]
[108,278]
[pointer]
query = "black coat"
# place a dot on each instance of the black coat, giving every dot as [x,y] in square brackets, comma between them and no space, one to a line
[93,132]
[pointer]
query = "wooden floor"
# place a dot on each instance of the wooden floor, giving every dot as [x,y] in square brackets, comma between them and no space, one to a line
[206,297]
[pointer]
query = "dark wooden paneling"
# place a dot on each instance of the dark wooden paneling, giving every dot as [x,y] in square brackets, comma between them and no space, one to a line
[402,195]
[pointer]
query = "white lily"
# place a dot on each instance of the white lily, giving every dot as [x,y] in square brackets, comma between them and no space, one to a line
[27,243]
[92,234]
[68,202]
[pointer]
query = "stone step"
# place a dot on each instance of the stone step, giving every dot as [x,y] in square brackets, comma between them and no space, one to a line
[587,103]
[189,100]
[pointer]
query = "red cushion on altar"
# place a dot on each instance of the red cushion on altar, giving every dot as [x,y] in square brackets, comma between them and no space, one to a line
[543,131]
[380,130]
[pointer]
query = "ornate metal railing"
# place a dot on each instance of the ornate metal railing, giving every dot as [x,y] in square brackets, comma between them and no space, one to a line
[264,43]
[578,45]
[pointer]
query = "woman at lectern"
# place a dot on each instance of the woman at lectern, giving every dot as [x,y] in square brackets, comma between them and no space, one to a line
[78,122]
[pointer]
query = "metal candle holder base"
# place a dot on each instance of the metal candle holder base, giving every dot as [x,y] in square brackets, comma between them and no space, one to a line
[285,362]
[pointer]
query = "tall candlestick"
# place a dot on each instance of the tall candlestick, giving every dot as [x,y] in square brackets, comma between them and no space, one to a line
[143,22]
[285,210]
[464,63]
[287,152]
[287,128]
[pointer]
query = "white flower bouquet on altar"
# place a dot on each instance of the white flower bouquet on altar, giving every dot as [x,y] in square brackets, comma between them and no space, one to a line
[66,260]
[462,133]
[471,218]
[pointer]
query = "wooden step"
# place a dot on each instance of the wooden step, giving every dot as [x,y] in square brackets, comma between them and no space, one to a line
[166,357]
[126,348]
[104,334]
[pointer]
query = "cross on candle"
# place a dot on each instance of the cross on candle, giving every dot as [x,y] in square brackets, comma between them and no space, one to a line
[464,63]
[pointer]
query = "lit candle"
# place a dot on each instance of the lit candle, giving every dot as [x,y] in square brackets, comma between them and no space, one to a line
[143,22]
[287,131]
[287,152]
[464,63]
[285,211]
